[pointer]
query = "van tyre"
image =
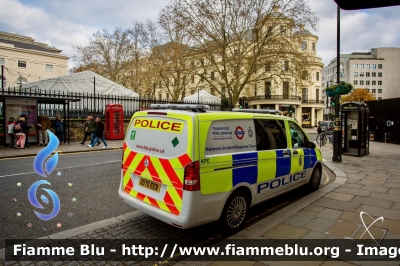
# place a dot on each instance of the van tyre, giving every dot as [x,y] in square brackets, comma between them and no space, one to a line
[235,211]
[315,180]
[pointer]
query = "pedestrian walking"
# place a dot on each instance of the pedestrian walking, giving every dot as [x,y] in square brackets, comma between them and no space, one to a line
[86,130]
[10,131]
[27,131]
[92,129]
[59,129]
[43,125]
[20,129]
[99,134]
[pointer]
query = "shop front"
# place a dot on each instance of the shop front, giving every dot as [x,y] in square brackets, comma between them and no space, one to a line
[306,117]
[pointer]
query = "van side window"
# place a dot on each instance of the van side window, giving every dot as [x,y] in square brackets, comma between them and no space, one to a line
[297,136]
[270,134]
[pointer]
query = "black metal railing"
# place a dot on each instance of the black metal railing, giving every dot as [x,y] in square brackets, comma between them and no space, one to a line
[90,103]
[273,97]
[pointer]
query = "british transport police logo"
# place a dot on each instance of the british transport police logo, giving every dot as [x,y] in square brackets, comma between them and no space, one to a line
[239,132]
[250,132]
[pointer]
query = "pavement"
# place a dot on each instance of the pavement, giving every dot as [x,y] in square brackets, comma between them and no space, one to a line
[369,184]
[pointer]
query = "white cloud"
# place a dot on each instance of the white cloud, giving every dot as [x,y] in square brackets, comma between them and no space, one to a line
[71,22]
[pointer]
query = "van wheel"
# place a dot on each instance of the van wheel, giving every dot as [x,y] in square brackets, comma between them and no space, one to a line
[235,211]
[315,180]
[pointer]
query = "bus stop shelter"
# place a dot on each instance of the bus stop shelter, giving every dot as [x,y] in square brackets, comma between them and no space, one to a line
[16,105]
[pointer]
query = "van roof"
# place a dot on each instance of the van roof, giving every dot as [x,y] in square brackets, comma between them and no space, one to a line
[216,114]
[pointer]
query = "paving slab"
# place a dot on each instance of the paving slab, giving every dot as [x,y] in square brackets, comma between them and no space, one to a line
[373,202]
[353,186]
[313,208]
[385,196]
[395,191]
[353,191]
[385,213]
[284,231]
[319,224]
[330,214]
[343,229]
[374,189]
[339,196]
[336,204]
[298,219]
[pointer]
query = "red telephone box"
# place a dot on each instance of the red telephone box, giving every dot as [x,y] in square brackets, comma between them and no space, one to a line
[114,122]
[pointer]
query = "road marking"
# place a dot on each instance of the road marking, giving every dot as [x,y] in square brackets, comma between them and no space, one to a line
[75,166]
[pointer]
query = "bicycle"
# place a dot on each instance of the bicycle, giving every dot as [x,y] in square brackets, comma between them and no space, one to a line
[323,138]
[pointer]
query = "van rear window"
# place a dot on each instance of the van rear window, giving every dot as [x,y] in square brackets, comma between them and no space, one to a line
[162,137]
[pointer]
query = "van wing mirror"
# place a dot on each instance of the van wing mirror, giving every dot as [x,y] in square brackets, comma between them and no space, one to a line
[311,145]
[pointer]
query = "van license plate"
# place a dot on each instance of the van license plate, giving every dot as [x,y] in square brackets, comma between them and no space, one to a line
[149,185]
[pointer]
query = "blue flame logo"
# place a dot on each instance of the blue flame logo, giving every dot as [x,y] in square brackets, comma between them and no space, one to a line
[44,153]
[49,167]
[32,198]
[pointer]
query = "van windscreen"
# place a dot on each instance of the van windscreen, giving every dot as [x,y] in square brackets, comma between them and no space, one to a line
[158,136]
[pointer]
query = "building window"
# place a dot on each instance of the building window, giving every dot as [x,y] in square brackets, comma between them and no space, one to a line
[374,74]
[304,94]
[212,75]
[21,63]
[374,66]
[317,93]
[367,66]
[379,82]
[286,66]
[192,91]
[361,82]
[380,66]
[167,83]
[355,66]
[379,98]
[317,76]
[379,90]
[1,61]
[367,82]
[192,78]
[368,90]
[361,74]
[267,88]
[167,96]
[304,46]
[49,67]
[223,91]
[373,90]
[268,67]
[304,74]
[355,82]
[379,74]
[361,65]
[202,77]
[313,46]
[212,91]
[285,89]
[159,96]
[159,84]
[367,74]
[192,63]
[374,82]
[355,74]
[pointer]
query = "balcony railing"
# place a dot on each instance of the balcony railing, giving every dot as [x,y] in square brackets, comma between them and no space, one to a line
[274,97]
[312,101]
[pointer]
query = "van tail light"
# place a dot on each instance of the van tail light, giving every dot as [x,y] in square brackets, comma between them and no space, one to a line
[192,177]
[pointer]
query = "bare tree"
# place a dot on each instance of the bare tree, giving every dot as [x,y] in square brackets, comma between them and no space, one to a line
[237,44]
[108,54]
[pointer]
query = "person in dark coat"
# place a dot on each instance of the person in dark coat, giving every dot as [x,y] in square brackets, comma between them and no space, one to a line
[99,134]
[21,133]
[59,129]
[86,129]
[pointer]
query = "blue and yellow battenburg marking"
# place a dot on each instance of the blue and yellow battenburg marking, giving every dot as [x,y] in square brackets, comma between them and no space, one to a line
[262,168]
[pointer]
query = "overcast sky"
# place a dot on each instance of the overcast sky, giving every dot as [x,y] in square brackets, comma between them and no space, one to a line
[63,23]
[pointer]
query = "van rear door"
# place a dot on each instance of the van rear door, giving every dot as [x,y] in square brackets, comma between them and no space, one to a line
[156,151]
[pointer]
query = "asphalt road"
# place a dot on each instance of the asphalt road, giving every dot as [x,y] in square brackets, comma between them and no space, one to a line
[95,180]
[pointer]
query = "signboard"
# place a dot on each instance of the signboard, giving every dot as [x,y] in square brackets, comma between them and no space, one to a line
[353,124]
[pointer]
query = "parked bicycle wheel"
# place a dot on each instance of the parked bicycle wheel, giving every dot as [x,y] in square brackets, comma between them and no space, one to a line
[322,139]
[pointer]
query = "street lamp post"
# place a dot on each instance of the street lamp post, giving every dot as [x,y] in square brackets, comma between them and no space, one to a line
[337,134]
